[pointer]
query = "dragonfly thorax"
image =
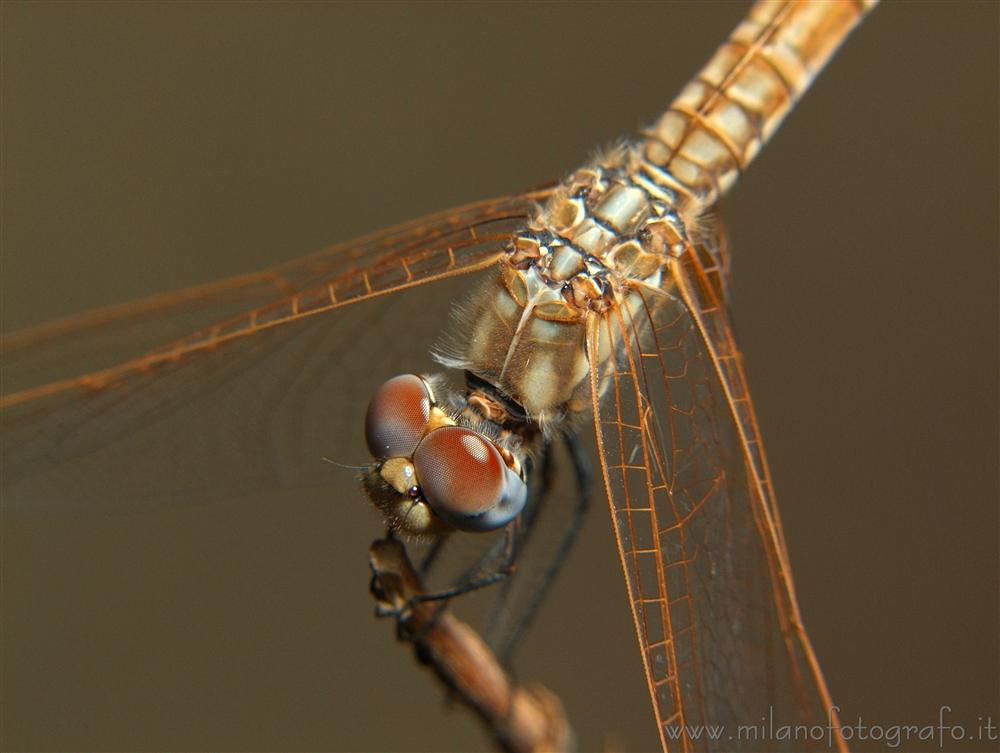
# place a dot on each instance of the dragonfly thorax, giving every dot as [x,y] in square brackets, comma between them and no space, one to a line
[598,238]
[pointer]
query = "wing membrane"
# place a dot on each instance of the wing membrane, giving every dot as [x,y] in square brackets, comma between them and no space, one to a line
[726,658]
[118,342]
[249,404]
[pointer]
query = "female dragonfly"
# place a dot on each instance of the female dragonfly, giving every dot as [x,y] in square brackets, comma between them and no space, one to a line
[622,272]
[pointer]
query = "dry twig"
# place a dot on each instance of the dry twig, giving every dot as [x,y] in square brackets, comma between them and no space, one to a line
[520,719]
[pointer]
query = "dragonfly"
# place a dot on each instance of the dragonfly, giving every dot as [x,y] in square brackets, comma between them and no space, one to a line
[651,364]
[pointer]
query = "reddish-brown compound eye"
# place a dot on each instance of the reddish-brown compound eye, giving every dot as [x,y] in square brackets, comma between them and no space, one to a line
[466,482]
[397,417]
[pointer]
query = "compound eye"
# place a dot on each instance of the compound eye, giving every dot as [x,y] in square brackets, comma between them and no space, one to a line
[466,482]
[397,417]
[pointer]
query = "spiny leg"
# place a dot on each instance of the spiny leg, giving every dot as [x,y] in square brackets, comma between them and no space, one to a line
[584,478]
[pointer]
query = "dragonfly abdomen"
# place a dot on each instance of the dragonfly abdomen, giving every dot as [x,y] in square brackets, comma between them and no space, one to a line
[732,107]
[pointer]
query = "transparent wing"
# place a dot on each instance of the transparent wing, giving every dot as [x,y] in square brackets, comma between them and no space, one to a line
[120,341]
[243,405]
[726,657]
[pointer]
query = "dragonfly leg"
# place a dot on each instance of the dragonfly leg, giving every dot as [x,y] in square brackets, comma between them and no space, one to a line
[584,477]
[547,474]
[487,570]
[428,561]
[481,576]
[477,578]
[539,494]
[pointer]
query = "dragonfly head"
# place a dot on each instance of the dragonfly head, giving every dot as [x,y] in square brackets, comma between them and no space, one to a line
[432,475]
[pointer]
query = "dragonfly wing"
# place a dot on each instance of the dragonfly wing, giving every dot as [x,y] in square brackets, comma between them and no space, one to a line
[95,348]
[245,405]
[727,660]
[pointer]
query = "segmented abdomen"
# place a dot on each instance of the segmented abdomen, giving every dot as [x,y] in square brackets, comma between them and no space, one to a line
[732,107]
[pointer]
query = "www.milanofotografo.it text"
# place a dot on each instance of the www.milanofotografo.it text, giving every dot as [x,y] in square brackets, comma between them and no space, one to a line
[944,731]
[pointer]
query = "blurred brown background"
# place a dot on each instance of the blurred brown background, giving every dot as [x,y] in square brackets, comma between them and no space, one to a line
[152,146]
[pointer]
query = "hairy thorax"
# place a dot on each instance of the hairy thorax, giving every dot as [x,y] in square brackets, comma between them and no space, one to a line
[604,233]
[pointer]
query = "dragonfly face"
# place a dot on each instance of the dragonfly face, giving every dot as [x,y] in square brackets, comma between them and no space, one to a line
[433,475]
[803,145]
